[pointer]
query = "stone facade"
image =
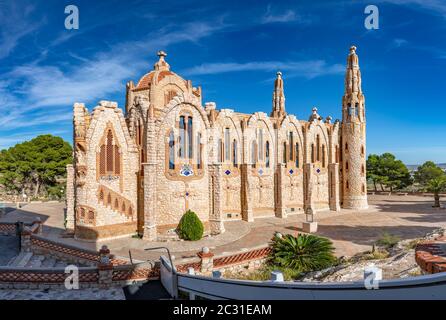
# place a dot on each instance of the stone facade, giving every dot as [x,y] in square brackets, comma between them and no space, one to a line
[138,171]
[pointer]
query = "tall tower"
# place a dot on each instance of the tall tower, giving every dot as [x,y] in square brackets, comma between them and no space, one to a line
[278,98]
[353,138]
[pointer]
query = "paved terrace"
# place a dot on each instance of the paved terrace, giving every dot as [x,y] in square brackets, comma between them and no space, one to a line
[351,231]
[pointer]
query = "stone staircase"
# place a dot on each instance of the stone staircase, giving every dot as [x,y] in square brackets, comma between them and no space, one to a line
[31,260]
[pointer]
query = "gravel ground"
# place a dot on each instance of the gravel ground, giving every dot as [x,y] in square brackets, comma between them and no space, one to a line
[60,294]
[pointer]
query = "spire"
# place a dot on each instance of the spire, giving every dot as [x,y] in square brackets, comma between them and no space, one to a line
[352,75]
[161,65]
[278,98]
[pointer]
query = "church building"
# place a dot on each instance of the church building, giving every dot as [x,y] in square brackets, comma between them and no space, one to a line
[138,170]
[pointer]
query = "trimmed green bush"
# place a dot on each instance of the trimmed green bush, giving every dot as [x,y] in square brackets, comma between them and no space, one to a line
[190,227]
[303,253]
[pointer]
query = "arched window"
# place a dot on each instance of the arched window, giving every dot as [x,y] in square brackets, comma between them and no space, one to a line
[346,146]
[116,204]
[253,153]
[363,188]
[362,170]
[297,155]
[220,150]
[260,144]
[318,146]
[227,145]
[109,156]
[346,165]
[182,138]
[346,185]
[190,143]
[362,150]
[267,154]
[185,140]
[199,149]
[171,150]
[312,153]
[109,200]
[169,95]
[291,142]
[284,153]
[234,153]
[123,207]
[323,156]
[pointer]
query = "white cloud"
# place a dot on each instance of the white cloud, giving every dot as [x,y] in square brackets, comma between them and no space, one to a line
[286,16]
[436,6]
[39,87]
[307,69]
[15,25]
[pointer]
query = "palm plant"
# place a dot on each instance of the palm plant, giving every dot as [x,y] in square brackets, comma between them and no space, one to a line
[303,253]
[436,185]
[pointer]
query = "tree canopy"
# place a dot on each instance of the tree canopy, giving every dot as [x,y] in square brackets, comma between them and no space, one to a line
[432,179]
[34,167]
[386,170]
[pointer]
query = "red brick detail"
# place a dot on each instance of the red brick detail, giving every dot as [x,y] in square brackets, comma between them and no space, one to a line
[184,267]
[135,274]
[430,256]
[27,276]
[205,255]
[53,246]
[8,228]
[242,257]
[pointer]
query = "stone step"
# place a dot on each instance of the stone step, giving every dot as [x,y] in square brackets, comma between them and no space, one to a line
[21,260]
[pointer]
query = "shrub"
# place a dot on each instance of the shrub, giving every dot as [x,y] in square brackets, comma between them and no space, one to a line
[387,240]
[190,227]
[303,253]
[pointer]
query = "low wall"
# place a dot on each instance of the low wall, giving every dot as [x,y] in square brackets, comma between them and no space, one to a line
[103,269]
[431,255]
[206,262]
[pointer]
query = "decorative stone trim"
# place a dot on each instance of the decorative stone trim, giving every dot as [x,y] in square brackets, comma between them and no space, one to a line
[241,257]
[115,202]
[7,228]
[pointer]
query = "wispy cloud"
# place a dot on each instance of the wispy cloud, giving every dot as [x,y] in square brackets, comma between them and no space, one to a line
[398,43]
[287,16]
[15,25]
[308,69]
[39,87]
[436,6]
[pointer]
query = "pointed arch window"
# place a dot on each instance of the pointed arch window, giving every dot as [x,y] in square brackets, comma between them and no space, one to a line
[291,142]
[109,156]
[199,151]
[220,150]
[323,156]
[297,155]
[171,150]
[260,144]
[227,145]
[318,146]
[253,153]
[182,138]
[234,153]
[284,153]
[312,153]
[190,139]
[267,154]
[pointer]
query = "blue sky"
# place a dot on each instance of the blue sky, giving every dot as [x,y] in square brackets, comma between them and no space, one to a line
[232,49]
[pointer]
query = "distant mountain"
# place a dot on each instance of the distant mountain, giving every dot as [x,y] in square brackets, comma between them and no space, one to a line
[415,166]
